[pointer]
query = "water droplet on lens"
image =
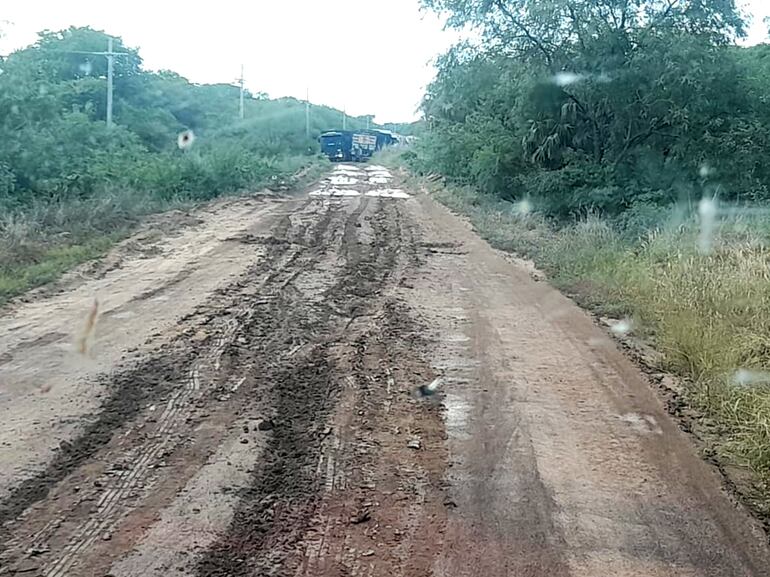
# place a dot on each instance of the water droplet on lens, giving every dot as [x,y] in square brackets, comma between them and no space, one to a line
[622,328]
[746,377]
[185,139]
[522,207]
[707,211]
[566,78]
[705,171]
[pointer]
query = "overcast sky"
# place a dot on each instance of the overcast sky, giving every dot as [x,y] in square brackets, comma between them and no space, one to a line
[369,56]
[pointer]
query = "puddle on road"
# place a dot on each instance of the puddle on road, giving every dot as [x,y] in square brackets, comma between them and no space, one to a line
[388,193]
[347,171]
[335,192]
[342,180]
[377,173]
[344,176]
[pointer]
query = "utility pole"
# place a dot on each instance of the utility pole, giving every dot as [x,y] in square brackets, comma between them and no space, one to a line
[307,113]
[110,55]
[368,120]
[241,81]
[110,78]
[344,118]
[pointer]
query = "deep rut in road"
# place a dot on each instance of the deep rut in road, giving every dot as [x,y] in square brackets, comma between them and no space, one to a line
[260,344]
[277,510]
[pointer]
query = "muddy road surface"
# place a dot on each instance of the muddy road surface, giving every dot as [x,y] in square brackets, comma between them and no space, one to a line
[348,382]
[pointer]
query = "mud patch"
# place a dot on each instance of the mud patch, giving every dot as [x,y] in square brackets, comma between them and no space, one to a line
[180,277]
[46,339]
[276,510]
[157,382]
[285,490]
[247,238]
[384,509]
[130,392]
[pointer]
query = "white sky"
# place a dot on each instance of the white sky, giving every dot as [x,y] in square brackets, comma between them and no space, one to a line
[758,11]
[369,56]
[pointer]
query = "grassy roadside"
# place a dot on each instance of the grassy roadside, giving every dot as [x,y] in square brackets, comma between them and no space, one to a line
[42,240]
[708,314]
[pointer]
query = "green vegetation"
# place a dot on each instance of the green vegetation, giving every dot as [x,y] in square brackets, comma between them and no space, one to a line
[406,128]
[708,314]
[70,186]
[601,104]
[585,134]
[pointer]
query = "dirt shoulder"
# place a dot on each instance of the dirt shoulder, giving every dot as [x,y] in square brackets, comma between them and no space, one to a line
[568,461]
[143,289]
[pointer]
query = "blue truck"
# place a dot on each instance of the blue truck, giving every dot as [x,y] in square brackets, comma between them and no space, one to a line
[348,145]
[336,145]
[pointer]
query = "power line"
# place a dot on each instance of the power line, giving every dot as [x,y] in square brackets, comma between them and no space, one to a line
[110,54]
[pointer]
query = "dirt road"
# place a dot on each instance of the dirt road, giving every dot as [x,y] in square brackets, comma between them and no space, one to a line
[249,407]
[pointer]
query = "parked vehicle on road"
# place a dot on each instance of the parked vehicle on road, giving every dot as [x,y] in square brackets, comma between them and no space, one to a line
[348,145]
[336,145]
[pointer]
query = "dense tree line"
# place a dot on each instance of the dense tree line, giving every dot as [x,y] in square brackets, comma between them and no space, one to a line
[70,186]
[54,142]
[600,104]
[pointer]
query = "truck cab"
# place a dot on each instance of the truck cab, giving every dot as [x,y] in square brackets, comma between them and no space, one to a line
[336,145]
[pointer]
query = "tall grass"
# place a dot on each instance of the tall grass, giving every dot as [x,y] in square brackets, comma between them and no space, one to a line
[709,314]
[42,237]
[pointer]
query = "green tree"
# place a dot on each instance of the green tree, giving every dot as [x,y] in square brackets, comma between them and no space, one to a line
[595,102]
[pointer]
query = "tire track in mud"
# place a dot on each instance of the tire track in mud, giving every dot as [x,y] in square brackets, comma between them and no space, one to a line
[275,511]
[130,391]
[108,507]
[175,371]
[383,508]
[383,505]
[266,336]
